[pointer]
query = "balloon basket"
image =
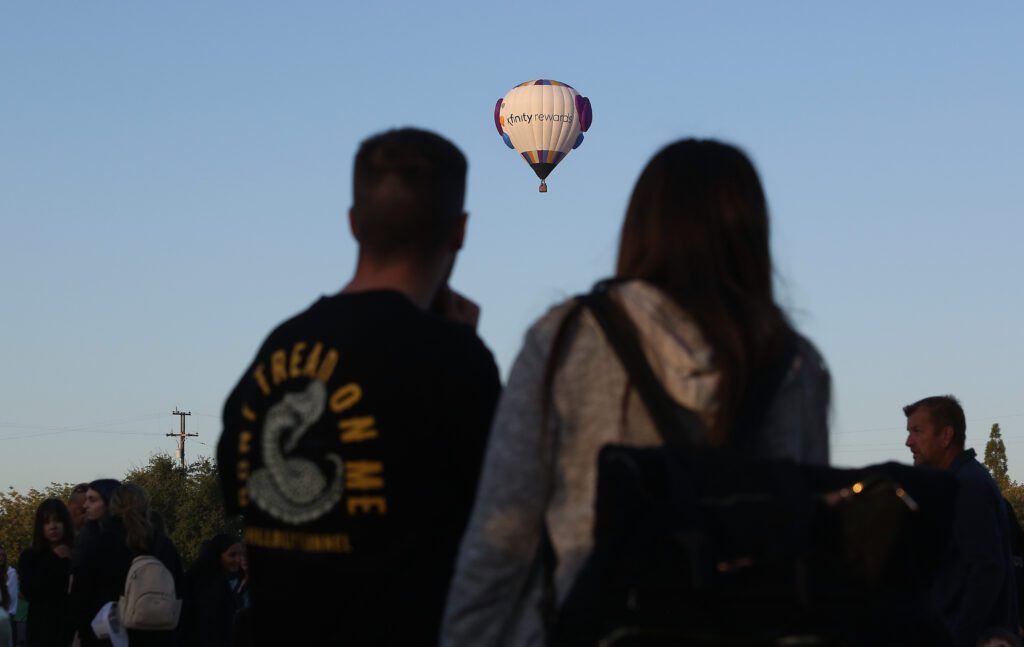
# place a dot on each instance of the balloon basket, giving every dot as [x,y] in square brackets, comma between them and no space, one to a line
[543,187]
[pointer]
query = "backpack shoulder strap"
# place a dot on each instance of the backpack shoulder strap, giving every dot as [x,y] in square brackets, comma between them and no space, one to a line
[678,426]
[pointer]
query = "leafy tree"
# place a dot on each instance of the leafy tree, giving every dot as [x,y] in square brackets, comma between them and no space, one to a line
[1015,495]
[995,458]
[201,513]
[165,483]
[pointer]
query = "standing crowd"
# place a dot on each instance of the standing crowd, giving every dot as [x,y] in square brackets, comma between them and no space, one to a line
[78,568]
[394,494]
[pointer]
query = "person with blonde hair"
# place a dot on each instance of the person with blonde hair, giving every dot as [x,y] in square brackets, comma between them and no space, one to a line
[100,577]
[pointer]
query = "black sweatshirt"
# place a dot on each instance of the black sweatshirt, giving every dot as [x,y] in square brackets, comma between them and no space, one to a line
[352,446]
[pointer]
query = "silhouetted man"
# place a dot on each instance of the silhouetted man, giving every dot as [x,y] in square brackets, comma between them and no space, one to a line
[76,505]
[975,589]
[353,442]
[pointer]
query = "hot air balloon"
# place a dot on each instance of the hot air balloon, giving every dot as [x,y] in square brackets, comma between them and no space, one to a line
[542,120]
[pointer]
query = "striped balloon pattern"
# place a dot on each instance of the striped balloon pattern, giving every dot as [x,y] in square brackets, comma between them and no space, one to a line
[543,120]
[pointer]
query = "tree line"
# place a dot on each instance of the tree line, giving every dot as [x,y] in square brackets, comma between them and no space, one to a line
[995,461]
[188,501]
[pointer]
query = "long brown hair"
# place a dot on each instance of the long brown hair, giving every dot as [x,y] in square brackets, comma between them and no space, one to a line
[697,227]
[131,504]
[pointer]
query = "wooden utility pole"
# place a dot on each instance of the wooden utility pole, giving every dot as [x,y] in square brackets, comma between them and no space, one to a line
[181,435]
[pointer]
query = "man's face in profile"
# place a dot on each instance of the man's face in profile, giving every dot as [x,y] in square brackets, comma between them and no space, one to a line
[924,439]
[76,505]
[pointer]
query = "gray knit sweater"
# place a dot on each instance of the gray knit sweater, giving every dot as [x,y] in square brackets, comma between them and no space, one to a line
[495,594]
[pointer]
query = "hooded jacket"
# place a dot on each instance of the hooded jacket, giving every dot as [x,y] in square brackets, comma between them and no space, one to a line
[495,594]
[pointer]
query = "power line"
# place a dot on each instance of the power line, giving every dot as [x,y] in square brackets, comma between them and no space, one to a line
[82,431]
[103,423]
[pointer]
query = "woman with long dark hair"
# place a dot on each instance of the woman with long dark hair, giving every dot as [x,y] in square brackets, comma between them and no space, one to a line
[95,510]
[45,572]
[694,278]
[101,575]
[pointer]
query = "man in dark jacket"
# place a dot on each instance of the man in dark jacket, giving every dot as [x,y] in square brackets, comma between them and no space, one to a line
[353,442]
[975,590]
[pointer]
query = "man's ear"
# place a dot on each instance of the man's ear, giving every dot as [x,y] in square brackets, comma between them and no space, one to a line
[947,436]
[352,224]
[458,233]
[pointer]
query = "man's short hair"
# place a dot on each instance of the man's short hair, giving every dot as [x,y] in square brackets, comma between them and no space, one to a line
[945,411]
[408,188]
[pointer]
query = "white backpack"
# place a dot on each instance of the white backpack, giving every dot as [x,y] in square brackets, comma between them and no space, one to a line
[149,601]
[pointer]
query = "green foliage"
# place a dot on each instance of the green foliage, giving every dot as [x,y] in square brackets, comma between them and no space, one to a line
[186,501]
[995,458]
[165,483]
[1014,493]
[18,513]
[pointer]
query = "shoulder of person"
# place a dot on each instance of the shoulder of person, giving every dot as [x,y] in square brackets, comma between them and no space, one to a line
[807,354]
[973,472]
[297,320]
[87,538]
[543,330]
[435,332]
[808,366]
[639,298]
[164,545]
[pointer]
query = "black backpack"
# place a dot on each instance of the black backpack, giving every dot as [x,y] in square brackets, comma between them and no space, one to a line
[695,545]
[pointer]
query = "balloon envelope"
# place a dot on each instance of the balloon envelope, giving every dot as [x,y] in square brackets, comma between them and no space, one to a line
[542,119]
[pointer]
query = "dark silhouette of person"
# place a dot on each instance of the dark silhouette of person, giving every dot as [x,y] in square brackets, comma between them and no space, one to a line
[211,602]
[694,277]
[975,589]
[352,443]
[45,575]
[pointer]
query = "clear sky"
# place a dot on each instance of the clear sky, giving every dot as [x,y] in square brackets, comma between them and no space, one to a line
[174,179]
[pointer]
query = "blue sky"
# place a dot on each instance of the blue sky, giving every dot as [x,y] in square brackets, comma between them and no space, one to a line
[174,181]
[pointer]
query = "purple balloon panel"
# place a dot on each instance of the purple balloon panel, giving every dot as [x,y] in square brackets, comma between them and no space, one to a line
[497,115]
[586,114]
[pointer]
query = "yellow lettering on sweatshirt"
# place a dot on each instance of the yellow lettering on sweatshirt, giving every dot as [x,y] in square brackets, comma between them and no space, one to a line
[313,360]
[294,368]
[364,475]
[367,505]
[327,366]
[261,381]
[354,430]
[345,397]
[278,367]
